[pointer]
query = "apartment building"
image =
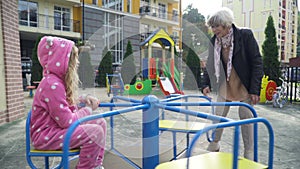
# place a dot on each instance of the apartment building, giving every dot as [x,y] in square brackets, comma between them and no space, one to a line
[106,24]
[112,23]
[254,14]
[45,17]
[160,14]
[163,14]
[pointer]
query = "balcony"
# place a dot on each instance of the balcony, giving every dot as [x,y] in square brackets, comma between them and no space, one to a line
[171,1]
[159,15]
[46,24]
[74,2]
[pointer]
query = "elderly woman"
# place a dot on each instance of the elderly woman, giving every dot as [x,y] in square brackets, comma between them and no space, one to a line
[234,71]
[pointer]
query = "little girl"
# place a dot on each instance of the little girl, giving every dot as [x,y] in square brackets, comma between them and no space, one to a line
[55,108]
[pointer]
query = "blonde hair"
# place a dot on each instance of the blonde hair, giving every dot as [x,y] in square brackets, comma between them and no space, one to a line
[223,17]
[72,78]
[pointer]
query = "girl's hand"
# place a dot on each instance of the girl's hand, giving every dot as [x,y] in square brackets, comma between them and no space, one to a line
[92,102]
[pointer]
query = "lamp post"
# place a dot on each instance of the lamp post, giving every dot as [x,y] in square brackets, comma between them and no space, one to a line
[83,21]
[180,35]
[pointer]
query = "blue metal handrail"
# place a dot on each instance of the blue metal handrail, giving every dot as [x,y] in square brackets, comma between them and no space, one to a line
[165,104]
[177,97]
[125,99]
[236,138]
[216,118]
[174,97]
[150,106]
[71,129]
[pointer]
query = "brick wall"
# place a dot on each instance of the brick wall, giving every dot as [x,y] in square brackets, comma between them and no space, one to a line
[12,61]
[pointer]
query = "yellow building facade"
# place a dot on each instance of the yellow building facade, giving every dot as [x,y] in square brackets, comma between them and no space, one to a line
[126,20]
[51,17]
[154,14]
[254,14]
[44,17]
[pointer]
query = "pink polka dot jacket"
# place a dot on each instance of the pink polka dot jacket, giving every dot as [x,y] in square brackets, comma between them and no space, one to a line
[52,114]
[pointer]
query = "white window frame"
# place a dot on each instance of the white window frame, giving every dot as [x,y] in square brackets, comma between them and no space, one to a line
[28,21]
[62,13]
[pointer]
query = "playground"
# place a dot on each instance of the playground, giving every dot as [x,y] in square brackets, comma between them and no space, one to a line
[168,130]
[285,123]
[158,72]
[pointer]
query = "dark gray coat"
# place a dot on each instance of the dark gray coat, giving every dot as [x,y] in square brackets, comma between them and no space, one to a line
[246,60]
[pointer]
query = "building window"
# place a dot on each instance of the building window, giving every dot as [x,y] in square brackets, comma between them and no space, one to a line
[28,13]
[175,15]
[95,2]
[113,4]
[145,28]
[145,2]
[162,11]
[114,36]
[62,18]
[129,6]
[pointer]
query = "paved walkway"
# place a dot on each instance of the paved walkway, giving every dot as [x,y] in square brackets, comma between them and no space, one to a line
[285,121]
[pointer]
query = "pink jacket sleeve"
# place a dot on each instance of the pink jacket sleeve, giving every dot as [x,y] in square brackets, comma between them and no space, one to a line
[58,107]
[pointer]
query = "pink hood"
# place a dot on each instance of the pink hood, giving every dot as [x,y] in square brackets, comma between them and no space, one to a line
[54,54]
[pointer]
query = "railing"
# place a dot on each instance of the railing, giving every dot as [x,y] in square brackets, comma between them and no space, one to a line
[158,13]
[291,76]
[144,36]
[50,23]
[236,125]
[150,106]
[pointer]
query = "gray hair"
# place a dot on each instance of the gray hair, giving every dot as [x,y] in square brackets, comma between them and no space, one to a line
[223,17]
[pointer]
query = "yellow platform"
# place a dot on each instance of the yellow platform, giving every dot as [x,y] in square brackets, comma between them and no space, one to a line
[212,160]
[183,126]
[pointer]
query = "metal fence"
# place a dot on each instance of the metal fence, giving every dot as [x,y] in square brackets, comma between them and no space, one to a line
[291,75]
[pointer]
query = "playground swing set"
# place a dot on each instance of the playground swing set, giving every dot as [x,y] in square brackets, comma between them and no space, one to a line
[162,71]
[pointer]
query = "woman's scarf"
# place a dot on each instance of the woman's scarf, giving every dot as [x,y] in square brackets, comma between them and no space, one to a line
[225,42]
